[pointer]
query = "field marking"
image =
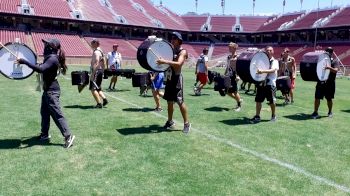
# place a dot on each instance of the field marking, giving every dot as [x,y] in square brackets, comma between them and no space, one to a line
[252,152]
[248,151]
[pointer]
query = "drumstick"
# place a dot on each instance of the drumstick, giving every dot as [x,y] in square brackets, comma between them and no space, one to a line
[6,48]
[150,49]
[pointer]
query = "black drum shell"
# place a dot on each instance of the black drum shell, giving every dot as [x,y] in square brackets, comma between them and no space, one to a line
[140,79]
[212,75]
[222,82]
[283,84]
[243,70]
[80,77]
[128,73]
[142,55]
[308,71]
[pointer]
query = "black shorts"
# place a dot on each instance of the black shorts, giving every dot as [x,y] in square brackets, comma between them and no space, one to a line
[233,88]
[326,90]
[268,92]
[173,91]
[96,83]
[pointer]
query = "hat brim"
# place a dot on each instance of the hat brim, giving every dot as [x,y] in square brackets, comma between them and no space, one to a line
[45,40]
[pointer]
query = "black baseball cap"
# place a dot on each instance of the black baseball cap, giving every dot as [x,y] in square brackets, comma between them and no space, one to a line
[53,42]
[329,50]
[177,35]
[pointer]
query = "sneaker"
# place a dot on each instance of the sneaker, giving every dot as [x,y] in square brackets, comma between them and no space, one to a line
[273,119]
[315,115]
[68,142]
[105,102]
[237,108]
[99,105]
[286,102]
[330,115]
[187,128]
[158,109]
[255,119]
[44,137]
[169,125]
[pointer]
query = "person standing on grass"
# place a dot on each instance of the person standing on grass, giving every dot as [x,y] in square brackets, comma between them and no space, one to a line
[54,63]
[288,68]
[174,83]
[201,71]
[326,88]
[97,68]
[231,72]
[114,60]
[267,89]
[157,85]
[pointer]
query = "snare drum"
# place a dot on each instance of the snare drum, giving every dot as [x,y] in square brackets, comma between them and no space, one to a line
[80,77]
[151,50]
[312,66]
[9,68]
[249,62]
[283,84]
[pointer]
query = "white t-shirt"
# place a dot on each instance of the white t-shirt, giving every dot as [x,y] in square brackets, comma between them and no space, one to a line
[272,77]
[202,59]
[114,59]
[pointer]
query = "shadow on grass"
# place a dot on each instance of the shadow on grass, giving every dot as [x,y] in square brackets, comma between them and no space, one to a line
[117,90]
[83,107]
[203,94]
[143,130]
[240,121]
[25,143]
[216,109]
[301,116]
[138,109]
[347,111]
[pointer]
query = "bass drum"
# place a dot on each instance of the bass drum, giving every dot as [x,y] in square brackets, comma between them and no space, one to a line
[9,68]
[80,77]
[140,80]
[283,84]
[312,66]
[152,49]
[249,62]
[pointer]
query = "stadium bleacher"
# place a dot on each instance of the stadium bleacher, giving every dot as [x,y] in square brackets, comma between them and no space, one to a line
[341,19]
[309,19]
[10,6]
[222,23]
[275,24]
[57,9]
[195,23]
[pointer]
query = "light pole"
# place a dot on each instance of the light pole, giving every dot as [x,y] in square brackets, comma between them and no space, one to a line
[318,9]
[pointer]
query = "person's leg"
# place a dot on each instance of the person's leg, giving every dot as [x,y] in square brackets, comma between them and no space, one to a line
[258,108]
[316,105]
[170,110]
[45,115]
[330,105]
[115,81]
[156,98]
[96,96]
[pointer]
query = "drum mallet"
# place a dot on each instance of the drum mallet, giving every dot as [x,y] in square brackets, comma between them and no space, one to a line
[6,48]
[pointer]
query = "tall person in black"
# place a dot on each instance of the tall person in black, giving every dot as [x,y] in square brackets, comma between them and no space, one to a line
[326,88]
[54,63]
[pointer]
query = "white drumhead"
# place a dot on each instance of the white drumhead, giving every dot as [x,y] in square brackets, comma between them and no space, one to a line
[159,48]
[283,78]
[261,61]
[323,60]
[7,61]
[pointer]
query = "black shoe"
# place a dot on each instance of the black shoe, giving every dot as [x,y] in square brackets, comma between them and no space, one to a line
[169,125]
[99,105]
[68,142]
[255,119]
[315,115]
[44,137]
[105,102]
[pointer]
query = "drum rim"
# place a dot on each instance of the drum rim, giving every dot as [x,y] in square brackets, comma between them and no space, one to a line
[35,56]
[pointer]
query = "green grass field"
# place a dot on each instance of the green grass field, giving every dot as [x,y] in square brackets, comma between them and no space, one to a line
[122,149]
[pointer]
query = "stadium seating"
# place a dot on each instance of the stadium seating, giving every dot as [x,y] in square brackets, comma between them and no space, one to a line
[341,19]
[71,44]
[309,19]
[252,23]
[222,23]
[10,36]
[92,10]
[57,8]
[9,6]
[195,23]
[275,24]
[132,15]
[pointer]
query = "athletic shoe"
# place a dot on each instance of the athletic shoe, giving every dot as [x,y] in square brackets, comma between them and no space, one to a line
[273,119]
[237,108]
[255,119]
[99,105]
[44,137]
[158,109]
[187,128]
[169,125]
[315,115]
[68,142]
[330,115]
[105,102]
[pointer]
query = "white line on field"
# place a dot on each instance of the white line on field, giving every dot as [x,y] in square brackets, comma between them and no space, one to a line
[254,153]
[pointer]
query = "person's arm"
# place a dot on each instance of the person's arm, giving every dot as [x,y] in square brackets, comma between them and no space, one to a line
[39,68]
[274,68]
[175,64]
[332,69]
[120,60]
[206,60]
[294,68]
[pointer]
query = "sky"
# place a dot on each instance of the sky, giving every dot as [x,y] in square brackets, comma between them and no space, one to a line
[245,7]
